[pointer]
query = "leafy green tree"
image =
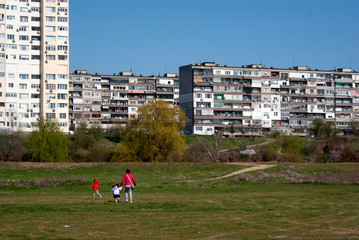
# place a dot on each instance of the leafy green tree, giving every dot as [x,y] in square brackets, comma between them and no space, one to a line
[293,144]
[317,127]
[47,143]
[154,136]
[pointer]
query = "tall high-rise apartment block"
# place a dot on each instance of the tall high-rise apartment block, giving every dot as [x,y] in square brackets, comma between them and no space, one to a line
[34,64]
[109,100]
[251,100]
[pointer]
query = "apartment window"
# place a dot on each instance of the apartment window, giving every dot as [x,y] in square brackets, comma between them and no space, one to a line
[11,37]
[35,9]
[10,85]
[50,1]
[35,19]
[10,17]
[23,29]
[62,38]
[10,27]
[247,72]
[62,57]
[50,57]
[198,128]
[62,9]
[62,19]
[35,76]
[23,38]
[25,1]
[50,96]
[62,105]
[62,28]
[62,86]
[50,38]
[23,9]
[24,47]
[10,76]
[50,9]
[62,124]
[2,35]
[62,76]
[62,115]
[50,105]
[24,57]
[50,76]
[35,85]
[24,96]
[2,55]
[62,96]
[50,29]
[50,48]
[11,95]
[50,115]
[24,76]
[2,6]
[24,19]
[35,38]
[50,19]
[62,48]
[50,86]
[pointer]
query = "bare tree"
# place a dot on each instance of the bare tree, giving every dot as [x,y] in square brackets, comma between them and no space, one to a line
[11,148]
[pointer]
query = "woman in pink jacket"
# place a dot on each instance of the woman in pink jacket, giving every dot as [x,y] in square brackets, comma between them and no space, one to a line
[128,179]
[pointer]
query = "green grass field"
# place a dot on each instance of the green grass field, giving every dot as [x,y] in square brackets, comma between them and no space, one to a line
[166,207]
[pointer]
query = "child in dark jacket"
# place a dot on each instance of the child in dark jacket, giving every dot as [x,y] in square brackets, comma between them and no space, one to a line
[95,187]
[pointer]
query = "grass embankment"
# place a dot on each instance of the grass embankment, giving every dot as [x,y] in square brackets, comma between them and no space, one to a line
[165,207]
[228,143]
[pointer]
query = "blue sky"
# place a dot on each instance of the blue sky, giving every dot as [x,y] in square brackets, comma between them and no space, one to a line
[158,36]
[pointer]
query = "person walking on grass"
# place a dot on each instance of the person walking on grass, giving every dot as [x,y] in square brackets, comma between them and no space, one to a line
[130,183]
[95,187]
[116,192]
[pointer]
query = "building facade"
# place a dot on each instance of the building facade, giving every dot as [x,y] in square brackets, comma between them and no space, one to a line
[109,100]
[34,63]
[252,100]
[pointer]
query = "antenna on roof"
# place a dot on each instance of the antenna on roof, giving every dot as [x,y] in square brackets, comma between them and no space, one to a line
[131,65]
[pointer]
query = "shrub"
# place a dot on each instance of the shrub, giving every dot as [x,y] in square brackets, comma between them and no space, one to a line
[349,155]
[293,144]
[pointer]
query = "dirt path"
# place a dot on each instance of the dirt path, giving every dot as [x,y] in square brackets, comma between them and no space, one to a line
[254,167]
[250,146]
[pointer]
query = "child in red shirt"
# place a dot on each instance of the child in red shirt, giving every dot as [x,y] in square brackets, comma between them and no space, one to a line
[95,187]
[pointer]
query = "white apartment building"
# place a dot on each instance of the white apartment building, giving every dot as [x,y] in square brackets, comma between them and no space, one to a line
[34,63]
[253,99]
[109,100]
